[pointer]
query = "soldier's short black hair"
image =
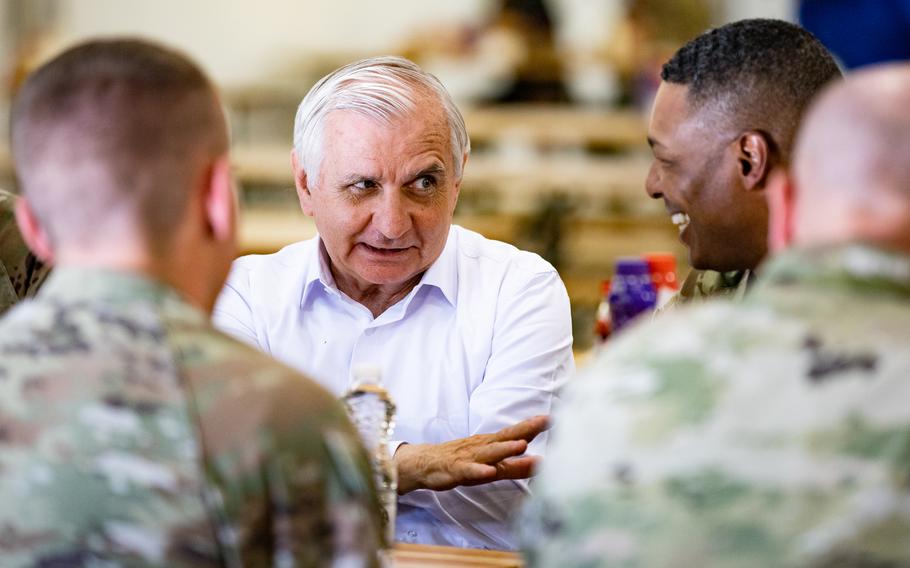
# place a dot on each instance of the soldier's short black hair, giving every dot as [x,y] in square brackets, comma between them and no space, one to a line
[763,71]
[113,125]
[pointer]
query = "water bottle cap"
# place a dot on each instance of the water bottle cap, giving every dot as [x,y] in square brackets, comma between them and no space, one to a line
[631,266]
[366,374]
[663,261]
[663,268]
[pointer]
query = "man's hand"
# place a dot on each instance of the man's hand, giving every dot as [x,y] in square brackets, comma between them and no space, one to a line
[474,460]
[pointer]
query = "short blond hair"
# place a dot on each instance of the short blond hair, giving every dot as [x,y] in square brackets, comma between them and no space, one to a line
[112,132]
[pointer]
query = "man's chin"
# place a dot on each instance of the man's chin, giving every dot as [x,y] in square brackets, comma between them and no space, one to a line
[710,264]
[388,275]
[699,261]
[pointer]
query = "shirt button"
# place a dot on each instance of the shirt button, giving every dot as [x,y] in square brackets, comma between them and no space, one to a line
[369,331]
[412,534]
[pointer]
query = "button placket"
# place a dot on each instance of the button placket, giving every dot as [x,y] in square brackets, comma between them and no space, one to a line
[368,348]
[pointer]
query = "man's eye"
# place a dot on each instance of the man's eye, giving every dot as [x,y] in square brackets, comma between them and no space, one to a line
[364,184]
[425,183]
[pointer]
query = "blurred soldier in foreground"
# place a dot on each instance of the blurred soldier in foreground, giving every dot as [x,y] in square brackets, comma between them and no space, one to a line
[773,432]
[21,273]
[724,116]
[131,432]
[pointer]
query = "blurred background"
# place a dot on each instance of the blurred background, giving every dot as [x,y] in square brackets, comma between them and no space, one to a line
[555,94]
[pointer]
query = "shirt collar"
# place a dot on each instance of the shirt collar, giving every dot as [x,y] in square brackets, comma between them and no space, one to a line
[317,275]
[442,274]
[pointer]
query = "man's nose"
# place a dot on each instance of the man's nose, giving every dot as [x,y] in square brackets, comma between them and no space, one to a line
[652,183]
[392,217]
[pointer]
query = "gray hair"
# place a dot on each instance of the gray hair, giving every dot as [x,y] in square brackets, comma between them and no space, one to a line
[382,88]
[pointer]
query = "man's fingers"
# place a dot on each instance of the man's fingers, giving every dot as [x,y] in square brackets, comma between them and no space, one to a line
[478,473]
[517,468]
[525,430]
[511,468]
[496,451]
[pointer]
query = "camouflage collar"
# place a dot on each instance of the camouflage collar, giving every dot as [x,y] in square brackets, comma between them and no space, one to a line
[702,284]
[72,283]
[852,265]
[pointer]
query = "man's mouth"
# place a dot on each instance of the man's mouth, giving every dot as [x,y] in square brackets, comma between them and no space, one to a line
[681,220]
[385,251]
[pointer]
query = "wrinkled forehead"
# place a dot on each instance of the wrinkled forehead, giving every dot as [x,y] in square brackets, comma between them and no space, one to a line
[426,123]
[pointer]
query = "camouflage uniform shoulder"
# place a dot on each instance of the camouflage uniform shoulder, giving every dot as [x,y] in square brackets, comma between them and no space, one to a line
[259,416]
[98,460]
[214,360]
[692,329]
[21,273]
[733,435]
[134,432]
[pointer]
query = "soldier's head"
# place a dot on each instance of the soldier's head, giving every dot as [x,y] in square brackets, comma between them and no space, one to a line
[120,149]
[725,115]
[850,177]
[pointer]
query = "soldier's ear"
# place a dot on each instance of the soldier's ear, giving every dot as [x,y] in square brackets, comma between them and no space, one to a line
[220,201]
[781,196]
[301,183]
[33,233]
[753,155]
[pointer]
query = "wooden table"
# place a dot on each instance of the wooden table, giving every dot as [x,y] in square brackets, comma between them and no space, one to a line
[422,555]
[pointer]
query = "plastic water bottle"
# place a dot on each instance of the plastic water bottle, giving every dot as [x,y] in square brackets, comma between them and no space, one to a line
[663,276]
[373,414]
[631,291]
[603,324]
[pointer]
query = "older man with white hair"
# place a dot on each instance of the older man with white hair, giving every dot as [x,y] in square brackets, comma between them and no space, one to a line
[473,336]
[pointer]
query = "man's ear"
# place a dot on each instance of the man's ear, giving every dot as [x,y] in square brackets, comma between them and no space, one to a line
[220,201]
[34,235]
[753,157]
[301,182]
[781,196]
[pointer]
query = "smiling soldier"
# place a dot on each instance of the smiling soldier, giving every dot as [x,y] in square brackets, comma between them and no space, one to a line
[724,117]
[473,336]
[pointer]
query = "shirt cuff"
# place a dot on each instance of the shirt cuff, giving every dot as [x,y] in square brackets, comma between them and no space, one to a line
[393,447]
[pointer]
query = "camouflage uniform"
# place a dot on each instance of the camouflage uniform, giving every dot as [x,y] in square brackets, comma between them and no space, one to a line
[703,284]
[21,273]
[133,434]
[771,433]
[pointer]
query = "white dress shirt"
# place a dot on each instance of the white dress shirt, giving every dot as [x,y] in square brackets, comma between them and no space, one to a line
[482,342]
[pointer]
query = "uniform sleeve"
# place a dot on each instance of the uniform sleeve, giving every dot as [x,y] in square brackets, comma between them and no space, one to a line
[287,473]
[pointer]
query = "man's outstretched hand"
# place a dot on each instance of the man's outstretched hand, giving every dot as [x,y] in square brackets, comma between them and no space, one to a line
[474,460]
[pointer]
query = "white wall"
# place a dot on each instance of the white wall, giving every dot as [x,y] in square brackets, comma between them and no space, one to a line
[741,9]
[246,41]
[240,41]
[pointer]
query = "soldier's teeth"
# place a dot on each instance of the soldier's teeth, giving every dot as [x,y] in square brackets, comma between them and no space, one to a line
[680,219]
